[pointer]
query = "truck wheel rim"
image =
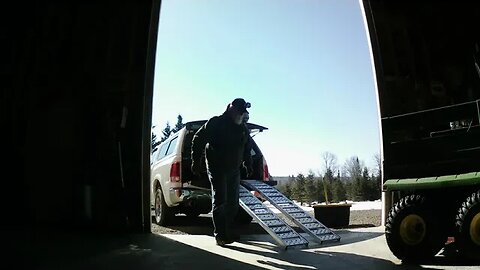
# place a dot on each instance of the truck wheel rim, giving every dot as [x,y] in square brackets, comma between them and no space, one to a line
[412,229]
[158,206]
[475,229]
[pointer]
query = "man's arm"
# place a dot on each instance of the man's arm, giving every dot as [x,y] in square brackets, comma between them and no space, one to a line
[199,141]
[247,156]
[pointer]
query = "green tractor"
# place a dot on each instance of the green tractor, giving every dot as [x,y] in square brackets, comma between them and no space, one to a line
[426,60]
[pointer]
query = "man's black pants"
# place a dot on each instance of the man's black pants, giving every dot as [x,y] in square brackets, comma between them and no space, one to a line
[225,188]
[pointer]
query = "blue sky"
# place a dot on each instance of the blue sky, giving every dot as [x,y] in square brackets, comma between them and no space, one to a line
[303,64]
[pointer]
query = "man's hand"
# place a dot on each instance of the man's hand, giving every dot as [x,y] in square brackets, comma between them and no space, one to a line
[248,169]
[196,169]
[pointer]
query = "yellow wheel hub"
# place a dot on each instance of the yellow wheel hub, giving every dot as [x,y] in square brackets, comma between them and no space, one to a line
[475,229]
[413,229]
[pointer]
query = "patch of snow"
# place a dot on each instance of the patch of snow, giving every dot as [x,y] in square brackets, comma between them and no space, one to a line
[366,205]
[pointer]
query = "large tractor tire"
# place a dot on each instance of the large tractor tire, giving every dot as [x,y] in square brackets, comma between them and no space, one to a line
[163,214]
[412,231]
[468,227]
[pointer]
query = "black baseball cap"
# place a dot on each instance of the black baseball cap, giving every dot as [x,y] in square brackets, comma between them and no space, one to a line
[241,105]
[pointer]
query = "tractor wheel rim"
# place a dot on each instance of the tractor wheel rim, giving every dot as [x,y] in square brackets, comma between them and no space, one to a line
[475,229]
[412,229]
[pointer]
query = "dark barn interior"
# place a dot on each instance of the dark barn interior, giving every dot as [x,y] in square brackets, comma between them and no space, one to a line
[77,89]
[77,85]
[427,57]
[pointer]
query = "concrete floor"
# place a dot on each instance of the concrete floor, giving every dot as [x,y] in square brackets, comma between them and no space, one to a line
[359,249]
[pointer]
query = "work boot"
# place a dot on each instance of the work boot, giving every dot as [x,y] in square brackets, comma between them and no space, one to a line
[234,237]
[223,241]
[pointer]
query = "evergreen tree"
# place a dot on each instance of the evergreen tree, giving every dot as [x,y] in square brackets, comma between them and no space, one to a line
[339,193]
[378,186]
[353,168]
[358,191]
[329,175]
[288,190]
[327,190]
[283,189]
[350,189]
[155,143]
[299,189]
[328,180]
[166,132]
[320,194]
[310,188]
[374,191]
[365,191]
[378,176]
[179,125]
[355,185]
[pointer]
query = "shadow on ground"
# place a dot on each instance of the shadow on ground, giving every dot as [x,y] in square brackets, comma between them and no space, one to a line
[323,260]
[54,250]
[203,226]
[340,260]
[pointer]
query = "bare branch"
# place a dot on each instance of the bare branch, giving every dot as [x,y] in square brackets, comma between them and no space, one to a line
[329,161]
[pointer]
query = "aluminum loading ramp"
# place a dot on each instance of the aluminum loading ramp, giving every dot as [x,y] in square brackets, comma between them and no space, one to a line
[283,234]
[296,214]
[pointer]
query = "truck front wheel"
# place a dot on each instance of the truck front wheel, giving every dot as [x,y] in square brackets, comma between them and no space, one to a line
[412,230]
[468,226]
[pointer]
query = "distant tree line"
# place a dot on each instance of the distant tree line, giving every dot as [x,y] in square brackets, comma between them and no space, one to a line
[166,132]
[354,181]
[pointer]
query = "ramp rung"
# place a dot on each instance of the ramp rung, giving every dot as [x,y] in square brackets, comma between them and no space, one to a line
[328,237]
[260,211]
[272,194]
[279,201]
[299,215]
[285,204]
[313,225]
[281,229]
[287,235]
[273,223]
[267,217]
[304,220]
[250,201]
[295,242]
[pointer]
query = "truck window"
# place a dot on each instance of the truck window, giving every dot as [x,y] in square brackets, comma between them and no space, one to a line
[162,151]
[172,146]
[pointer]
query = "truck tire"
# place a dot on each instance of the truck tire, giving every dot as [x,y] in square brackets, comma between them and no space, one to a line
[163,214]
[412,231]
[468,226]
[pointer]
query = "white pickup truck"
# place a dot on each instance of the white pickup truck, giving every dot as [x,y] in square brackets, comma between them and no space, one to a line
[174,188]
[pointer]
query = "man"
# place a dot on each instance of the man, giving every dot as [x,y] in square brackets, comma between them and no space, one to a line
[225,139]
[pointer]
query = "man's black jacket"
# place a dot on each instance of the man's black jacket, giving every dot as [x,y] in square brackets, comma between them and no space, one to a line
[227,144]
